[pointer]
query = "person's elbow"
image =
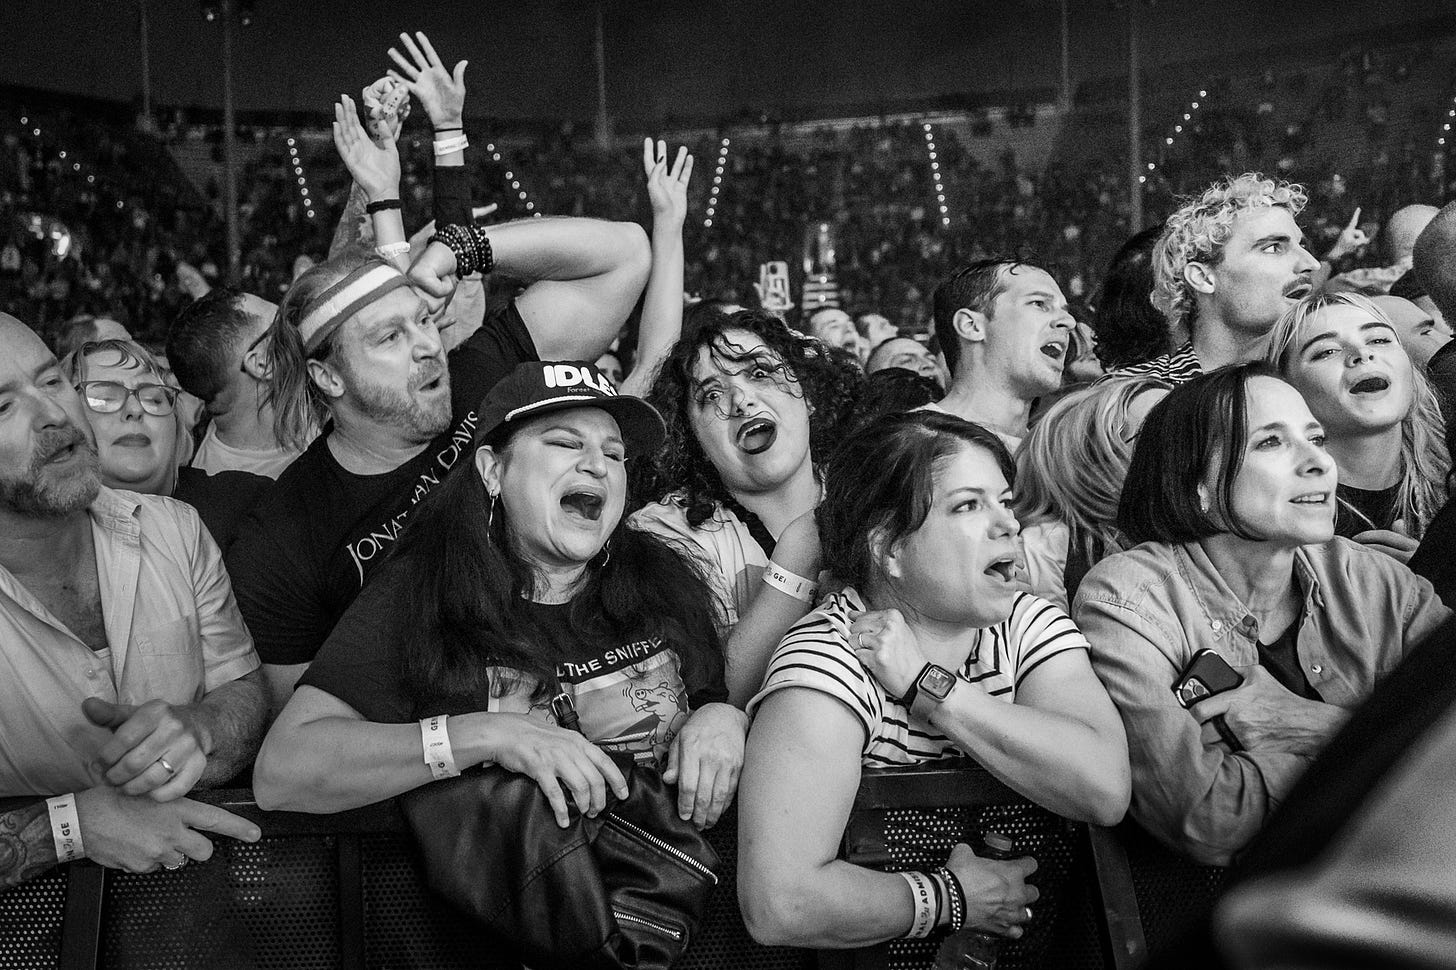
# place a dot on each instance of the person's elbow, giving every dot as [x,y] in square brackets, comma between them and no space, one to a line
[633,252]
[1111,792]
[274,772]
[775,912]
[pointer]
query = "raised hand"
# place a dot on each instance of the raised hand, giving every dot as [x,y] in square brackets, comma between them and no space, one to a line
[375,168]
[387,102]
[1352,237]
[667,188]
[441,92]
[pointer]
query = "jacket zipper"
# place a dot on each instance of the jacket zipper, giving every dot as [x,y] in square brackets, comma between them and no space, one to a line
[671,850]
[662,928]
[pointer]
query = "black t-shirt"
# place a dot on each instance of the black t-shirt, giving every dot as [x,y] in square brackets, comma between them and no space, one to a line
[631,695]
[1281,659]
[222,500]
[318,533]
[1373,509]
[1433,559]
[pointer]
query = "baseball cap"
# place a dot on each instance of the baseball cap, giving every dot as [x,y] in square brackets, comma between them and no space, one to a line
[541,386]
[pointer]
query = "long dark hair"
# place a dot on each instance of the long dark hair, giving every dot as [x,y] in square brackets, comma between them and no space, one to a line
[831,387]
[468,590]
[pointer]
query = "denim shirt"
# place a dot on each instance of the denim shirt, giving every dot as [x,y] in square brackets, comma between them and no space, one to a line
[1147,611]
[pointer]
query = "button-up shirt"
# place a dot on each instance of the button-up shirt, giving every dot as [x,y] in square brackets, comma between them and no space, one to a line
[1147,611]
[174,634]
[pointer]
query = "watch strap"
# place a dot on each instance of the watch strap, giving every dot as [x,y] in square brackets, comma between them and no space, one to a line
[907,699]
[924,703]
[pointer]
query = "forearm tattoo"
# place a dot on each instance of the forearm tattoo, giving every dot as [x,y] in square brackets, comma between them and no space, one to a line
[26,846]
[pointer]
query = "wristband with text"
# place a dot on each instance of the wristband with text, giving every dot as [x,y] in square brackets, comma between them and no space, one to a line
[922,893]
[391,250]
[789,583]
[66,828]
[435,740]
[450,145]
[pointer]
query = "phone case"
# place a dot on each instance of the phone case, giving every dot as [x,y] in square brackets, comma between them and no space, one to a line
[1206,674]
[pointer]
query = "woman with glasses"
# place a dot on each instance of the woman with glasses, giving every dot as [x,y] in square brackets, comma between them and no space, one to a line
[142,437]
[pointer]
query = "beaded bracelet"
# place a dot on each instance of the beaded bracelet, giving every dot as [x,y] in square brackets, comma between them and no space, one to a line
[471,246]
[956,896]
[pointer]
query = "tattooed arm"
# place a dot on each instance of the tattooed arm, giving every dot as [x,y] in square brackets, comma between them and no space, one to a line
[26,847]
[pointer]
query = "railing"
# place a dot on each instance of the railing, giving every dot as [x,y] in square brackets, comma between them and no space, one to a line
[344,892]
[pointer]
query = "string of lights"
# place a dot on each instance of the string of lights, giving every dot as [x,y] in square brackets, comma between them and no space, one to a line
[1178,129]
[495,156]
[298,174]
[717,188]
[62,154]
[1446,126]
[935,174]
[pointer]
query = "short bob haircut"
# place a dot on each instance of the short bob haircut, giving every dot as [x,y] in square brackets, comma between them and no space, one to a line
[880,484]
[1197,431]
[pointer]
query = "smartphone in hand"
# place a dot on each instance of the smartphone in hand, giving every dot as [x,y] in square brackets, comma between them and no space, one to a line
[1208,674]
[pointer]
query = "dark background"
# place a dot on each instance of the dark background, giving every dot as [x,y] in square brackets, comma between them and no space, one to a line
[695,60]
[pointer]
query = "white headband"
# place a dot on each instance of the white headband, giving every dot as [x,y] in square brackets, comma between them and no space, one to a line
[344,299]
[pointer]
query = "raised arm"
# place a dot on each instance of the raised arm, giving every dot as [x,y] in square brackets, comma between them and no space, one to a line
[376,171]
[662,306]
[583,276]
[441,92]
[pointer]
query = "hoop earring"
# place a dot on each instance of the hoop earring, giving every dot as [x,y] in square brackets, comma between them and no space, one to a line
[608,557]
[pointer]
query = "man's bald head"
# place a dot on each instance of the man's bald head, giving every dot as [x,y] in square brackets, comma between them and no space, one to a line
[1403,228]
[1435,260]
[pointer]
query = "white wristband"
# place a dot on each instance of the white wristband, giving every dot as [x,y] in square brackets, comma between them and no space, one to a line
[435,740]
[391,250]
[789,583]
[924,897]
[447,146]
[66,828]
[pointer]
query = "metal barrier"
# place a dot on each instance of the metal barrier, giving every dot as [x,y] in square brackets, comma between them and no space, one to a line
[344,892]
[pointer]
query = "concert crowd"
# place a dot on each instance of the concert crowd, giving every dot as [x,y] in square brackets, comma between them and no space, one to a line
[1137,527]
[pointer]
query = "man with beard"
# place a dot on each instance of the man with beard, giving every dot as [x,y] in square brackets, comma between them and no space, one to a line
[356,352]
[127,677]
[1227,265]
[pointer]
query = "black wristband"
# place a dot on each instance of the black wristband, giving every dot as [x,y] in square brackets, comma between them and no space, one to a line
[450,128]
[382,205]
[909,696]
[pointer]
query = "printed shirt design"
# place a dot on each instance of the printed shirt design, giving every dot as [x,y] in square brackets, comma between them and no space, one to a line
[630,698]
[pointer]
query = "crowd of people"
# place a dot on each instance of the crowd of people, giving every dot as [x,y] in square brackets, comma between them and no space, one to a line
[500,495]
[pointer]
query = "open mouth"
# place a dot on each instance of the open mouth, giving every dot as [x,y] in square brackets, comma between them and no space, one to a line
[133,441]
[1311,498]
[584,503]
[757,436]
[1003,569]
[1373,384]
[1053,350]
[1298,290]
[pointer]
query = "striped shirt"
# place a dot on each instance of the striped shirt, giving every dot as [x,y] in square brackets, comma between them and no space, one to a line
[1176,368]
[816,653]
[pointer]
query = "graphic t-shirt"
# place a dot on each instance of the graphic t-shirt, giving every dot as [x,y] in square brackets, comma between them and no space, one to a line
[732,559]
[630,695]
[318,533]
[817,653]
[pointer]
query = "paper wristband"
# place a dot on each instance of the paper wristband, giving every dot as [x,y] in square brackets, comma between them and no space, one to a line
[788,583]
[924,898]
[447,146]
[391,250]
[66,828]
[435,741]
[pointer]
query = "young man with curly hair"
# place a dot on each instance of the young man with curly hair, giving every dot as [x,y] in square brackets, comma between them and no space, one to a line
[1227,265]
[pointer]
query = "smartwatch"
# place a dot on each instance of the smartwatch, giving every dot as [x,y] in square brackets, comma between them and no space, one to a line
[930,690]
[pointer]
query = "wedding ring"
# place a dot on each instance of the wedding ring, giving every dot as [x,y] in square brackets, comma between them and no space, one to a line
[859,639]
[177,866]
[170,772]
[1028,914]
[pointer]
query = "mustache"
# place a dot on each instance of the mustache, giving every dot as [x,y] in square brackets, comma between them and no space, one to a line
[53,441]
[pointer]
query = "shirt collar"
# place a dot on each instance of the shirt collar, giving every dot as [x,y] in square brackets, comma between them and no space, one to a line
[1223,611]
[116,511]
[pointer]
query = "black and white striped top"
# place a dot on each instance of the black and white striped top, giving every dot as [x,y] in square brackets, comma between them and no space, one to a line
[1176,368]
[816,653]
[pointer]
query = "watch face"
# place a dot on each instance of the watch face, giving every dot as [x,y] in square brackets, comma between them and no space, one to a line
[937,681]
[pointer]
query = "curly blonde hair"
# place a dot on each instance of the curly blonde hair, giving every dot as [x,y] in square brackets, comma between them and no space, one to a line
[1424,459]
[1197,232]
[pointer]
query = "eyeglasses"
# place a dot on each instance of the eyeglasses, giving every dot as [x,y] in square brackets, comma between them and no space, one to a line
[108,397]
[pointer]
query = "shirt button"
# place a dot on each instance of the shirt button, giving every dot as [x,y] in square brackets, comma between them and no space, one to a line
[1250,623]
[1316,668]
[1216,625]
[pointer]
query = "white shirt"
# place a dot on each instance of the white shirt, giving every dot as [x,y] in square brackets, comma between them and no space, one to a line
[214,456]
